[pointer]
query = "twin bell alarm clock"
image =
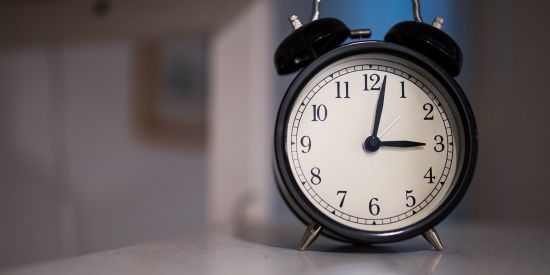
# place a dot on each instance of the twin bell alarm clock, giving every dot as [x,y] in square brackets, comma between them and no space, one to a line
[375,141]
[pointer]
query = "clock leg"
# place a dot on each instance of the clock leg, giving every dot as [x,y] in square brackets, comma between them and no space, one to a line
[432,237]
[312,232]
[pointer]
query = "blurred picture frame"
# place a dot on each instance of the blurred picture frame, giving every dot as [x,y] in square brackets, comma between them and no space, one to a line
[171,92]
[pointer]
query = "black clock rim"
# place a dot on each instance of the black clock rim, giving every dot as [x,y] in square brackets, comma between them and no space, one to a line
[288,186]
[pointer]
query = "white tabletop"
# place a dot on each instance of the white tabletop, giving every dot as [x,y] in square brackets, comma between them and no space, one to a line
[470,248]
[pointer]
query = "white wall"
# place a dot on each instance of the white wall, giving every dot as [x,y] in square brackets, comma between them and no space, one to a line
[241,119]
[75,178]
[29,229]
[125,191]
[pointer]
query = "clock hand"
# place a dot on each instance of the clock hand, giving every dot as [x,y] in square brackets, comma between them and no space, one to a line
[390,126]
[401,143]
[379,107]
[372,143]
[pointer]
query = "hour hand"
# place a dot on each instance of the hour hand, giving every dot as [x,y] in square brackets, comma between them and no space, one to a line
[379,107]
[401,143]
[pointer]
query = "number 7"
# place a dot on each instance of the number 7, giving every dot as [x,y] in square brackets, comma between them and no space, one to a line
[343,197]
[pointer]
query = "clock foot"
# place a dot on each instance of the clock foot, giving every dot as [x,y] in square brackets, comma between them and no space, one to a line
[432,237]
[312,232]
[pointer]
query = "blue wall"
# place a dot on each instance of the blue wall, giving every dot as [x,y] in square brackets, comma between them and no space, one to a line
[380,15]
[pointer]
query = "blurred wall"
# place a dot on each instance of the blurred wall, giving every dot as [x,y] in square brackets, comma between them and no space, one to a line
[75,176]
[29,225]
[76,179]
[241,115]
[125,191]
[510,97]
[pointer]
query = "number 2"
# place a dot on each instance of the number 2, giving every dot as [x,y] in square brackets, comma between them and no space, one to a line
[430,108]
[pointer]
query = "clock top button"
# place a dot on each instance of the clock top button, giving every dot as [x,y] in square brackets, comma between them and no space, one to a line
[430,41]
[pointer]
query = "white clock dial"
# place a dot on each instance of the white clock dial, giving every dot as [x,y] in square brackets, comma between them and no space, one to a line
[391,187]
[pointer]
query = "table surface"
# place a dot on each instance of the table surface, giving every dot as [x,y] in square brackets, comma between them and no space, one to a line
[470,248]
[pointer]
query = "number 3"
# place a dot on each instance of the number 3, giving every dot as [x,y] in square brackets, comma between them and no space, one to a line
[439,146]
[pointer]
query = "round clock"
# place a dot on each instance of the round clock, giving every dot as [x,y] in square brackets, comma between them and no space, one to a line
[374,141]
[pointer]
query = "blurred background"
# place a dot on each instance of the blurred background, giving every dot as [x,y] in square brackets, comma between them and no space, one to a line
[124,122]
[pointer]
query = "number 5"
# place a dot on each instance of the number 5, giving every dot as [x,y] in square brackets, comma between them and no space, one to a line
[411,198]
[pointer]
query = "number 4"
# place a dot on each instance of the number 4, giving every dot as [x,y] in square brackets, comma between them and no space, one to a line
[429,175]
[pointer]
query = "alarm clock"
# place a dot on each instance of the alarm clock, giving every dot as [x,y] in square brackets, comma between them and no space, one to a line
[375,141]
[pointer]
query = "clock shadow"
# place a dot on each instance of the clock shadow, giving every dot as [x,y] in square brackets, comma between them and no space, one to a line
[413,256]
[286,232]
[288,236]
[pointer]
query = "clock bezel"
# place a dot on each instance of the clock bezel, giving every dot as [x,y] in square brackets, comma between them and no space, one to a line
[309,213]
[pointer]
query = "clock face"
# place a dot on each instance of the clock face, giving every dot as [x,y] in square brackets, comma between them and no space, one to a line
[374,172]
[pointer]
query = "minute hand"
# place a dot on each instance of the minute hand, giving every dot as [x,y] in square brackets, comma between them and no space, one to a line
[379,107]
[401,143]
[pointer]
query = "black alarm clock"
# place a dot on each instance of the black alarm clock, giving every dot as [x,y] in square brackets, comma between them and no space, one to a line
[375,141]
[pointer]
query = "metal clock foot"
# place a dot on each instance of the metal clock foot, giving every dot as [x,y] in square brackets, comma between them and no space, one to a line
[312,232]
[432,237]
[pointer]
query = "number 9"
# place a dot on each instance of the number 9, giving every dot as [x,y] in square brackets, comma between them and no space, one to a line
[305,141]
